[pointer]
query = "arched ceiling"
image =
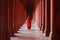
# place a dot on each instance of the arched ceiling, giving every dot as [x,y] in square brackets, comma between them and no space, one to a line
[24,2]
[29,4]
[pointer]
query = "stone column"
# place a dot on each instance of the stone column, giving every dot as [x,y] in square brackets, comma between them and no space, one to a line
[43,15]
[55,20]
[0,19]
[47,18]
[11,17]
[4,21]
[40,15]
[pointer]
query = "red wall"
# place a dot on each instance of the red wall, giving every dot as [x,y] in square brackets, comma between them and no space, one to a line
[19,15]
[38,14]
[16,16]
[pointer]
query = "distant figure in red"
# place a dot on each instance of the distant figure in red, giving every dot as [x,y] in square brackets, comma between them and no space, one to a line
[28,22]
[29,8]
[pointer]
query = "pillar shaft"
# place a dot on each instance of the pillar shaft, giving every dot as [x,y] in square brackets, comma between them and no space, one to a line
[47,18]
[0,19]
[55,20]
[4,21]
[10,12]
[43,15]
[11,6]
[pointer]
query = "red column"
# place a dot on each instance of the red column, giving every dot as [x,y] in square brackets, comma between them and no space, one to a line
[47,18]
[0,19]
[43,15]
[14,11]
[4,21]
[55,20]
[40,15]
[10,17]
[14,15]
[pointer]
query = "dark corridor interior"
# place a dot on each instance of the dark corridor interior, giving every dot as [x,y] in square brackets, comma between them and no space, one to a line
[29,19]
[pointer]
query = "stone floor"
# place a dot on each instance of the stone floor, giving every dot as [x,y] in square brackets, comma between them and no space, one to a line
[33,34]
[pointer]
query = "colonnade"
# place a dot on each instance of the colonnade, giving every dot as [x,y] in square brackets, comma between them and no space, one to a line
[48,19]
[11,18]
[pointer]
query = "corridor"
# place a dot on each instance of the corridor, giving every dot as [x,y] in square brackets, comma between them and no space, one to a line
[44,14]
[33,34]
